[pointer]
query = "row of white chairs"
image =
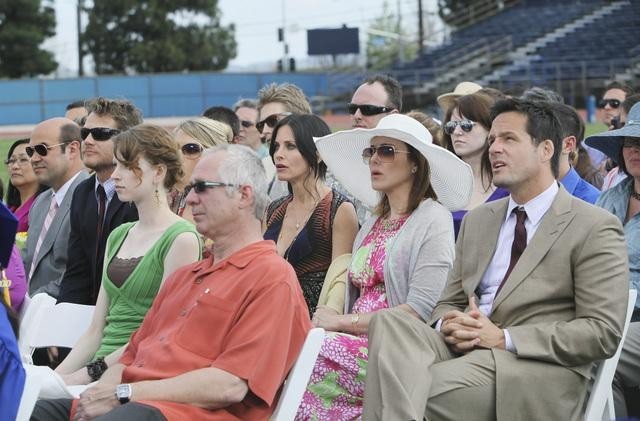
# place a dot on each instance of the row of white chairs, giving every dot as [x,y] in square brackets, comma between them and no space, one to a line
[46,324]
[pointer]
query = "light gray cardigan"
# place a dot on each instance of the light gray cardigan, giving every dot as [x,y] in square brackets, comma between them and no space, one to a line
[418,261]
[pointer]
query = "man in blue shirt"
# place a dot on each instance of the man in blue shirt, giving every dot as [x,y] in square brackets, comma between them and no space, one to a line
[572,134]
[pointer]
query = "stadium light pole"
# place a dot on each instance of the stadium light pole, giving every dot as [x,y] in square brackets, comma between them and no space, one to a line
[420,27]
[79,9]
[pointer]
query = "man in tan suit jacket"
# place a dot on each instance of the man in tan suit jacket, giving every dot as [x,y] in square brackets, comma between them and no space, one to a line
[519,345]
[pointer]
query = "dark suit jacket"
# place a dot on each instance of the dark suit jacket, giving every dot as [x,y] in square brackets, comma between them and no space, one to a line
[83,276]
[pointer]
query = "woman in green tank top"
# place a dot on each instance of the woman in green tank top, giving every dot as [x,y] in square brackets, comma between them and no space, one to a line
[140,255]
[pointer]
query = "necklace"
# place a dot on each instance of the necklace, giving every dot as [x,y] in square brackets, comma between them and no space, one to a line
[634,193]
[298,224]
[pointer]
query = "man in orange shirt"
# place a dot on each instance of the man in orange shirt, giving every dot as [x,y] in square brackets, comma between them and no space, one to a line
[222,333]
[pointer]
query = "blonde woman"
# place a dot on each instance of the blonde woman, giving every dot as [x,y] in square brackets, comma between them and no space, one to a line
[193,137]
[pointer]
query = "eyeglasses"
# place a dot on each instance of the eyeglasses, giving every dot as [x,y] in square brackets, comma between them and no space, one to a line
[98,133]
[465,125]
[386,153]
[367,109]
[613,103]
[42,149]
[202,186]
[631,142]
[270,121]
[246,124]
[192,150]
[20,161]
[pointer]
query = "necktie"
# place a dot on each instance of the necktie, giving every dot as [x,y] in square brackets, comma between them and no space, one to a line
[102,206]
[518,245]
[53,208]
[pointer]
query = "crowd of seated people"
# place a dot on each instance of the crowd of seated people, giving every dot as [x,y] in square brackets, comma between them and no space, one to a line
[453,260]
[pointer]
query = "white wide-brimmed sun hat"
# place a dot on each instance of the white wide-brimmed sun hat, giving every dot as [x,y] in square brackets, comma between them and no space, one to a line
[451,178]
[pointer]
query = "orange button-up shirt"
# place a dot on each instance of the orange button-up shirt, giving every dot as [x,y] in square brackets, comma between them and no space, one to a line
[245,315]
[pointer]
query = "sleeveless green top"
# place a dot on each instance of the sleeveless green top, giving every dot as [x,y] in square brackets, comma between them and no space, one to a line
[129,304]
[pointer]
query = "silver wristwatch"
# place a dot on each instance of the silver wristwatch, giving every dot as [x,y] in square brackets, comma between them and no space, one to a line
[123,393]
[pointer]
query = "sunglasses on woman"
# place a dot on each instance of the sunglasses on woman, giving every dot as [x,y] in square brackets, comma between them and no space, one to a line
[270,121]
[42,149]
[98,133]
[465,125]
[386,153]
[367,109]
[191,150]
[613,103]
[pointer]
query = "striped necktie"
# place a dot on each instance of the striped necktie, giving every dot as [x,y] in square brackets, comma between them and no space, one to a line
[53,208]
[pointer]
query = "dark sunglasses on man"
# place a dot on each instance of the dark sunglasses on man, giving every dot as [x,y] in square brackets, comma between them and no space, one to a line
[270,121]
[98,133]
[367,109]
[202,186]
[613,103]
[42,149]
[246,124]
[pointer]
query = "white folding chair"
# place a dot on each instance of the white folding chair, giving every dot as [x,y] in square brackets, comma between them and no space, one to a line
[62,325]
[31,313]
[600,404]
[32,385]
[296,382]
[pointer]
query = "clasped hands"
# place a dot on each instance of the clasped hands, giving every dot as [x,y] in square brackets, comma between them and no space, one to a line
[464,332]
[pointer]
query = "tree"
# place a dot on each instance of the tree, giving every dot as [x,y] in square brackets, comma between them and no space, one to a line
[126,36]
[24,25]
[387,42]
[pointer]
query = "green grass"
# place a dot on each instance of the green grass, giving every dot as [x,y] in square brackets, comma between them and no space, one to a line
[5,143]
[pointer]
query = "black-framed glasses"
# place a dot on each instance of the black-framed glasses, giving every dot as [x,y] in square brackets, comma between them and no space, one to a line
[192,150]
[613,103]
[246,123]
[465,125]
[386,153]
[367,109]
[98,133]
[42,149]
[631,142]
[270,121]
[20,161]
[202,186]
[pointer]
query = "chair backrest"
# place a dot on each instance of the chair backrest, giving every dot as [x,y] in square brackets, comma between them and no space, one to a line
[298,377]
[600,403]
[62,325]
[31,313]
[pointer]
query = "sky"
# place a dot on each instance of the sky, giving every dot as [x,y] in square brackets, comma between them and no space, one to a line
[257,22]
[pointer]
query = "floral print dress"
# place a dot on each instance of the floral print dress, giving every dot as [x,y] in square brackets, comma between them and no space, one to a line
[336,388]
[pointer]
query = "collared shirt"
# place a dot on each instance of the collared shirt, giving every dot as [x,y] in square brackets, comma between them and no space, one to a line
[62,191]
[613,178]
[579,188]
[109,187]
[616,201]
[535,208]
[245,315]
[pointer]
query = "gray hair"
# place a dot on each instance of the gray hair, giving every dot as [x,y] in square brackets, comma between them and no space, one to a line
[242,167]
[245,103]
[541,94]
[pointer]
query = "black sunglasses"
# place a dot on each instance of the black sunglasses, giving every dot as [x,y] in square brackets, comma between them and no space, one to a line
[270,121]
[191,149]
[98,133]
[465,125]
[386,153]
[42,149]
[613,103]
[367,109]
[246,124]
[202,186]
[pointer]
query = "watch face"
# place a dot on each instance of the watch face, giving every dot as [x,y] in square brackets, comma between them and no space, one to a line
[123,392]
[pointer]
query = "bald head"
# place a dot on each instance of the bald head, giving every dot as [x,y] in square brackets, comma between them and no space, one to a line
[54,149]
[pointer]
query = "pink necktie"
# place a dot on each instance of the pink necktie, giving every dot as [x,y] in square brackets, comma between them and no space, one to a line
[53,208]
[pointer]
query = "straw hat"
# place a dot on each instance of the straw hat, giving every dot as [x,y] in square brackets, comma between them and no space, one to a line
[610,143]
[451,177]
[463,88]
